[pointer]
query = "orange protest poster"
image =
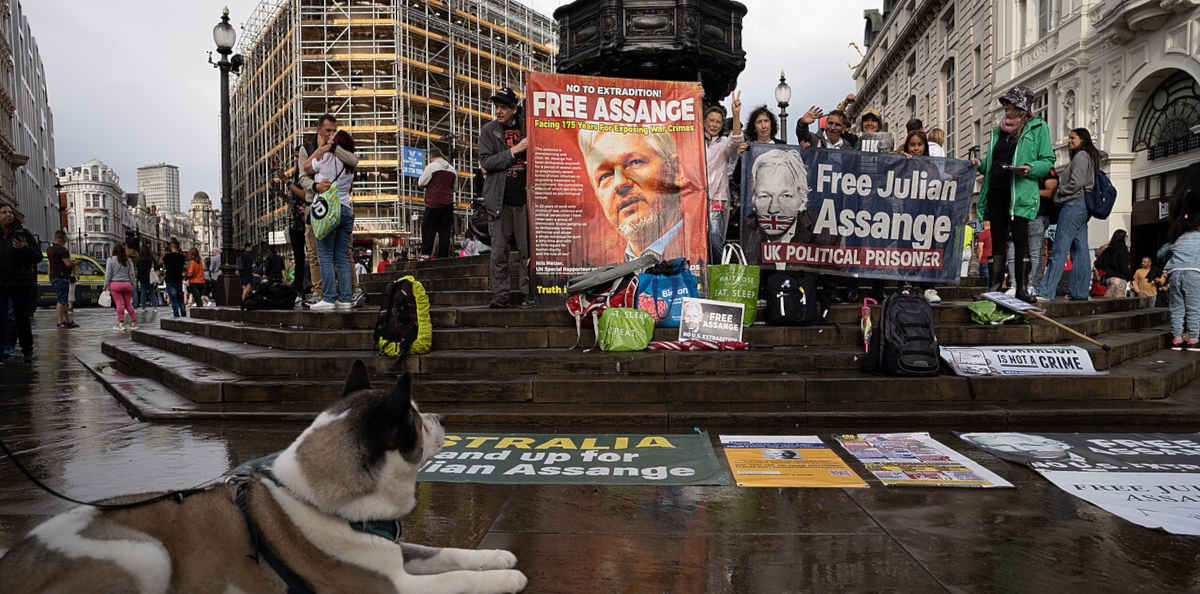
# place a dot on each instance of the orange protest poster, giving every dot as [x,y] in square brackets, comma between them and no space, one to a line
[616,170]
[786,461]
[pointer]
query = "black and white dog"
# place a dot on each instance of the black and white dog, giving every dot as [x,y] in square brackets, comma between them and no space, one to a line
[300,523]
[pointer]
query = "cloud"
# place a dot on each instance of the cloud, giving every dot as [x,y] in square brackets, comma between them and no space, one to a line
[129,82]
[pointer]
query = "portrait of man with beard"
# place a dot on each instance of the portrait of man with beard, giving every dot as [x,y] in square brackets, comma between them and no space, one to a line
[637,181]
[777,195]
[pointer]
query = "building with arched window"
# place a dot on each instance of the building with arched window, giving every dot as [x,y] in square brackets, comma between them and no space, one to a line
[97,212]
[1126,71]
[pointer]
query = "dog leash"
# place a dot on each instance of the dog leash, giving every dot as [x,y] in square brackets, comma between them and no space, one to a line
[178,496]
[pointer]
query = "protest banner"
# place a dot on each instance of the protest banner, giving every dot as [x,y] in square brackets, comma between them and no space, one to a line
[917,460]
[850,213]
[601,459]
[1150,479]
[1019,360]
[616,171]
[786,461]
[705,319]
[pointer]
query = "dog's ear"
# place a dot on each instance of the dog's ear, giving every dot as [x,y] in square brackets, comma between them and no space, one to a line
[357,380]
[392,425]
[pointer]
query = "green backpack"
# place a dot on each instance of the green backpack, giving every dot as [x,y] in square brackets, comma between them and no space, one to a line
[625,329]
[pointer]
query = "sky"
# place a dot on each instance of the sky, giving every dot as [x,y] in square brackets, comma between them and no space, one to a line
[130,85]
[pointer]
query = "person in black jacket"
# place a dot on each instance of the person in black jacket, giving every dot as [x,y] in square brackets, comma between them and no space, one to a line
[19,254]
[1115,264]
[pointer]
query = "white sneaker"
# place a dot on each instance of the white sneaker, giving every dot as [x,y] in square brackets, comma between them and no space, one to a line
[932,296]
[120,327]
[299,302]
[1011,292]
[322,306]
[132,326]
[358,298]
[344,305]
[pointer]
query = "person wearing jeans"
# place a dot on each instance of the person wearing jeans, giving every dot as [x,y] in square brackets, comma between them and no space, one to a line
[173,264]
[1071,233]
[336,285]
[333,250]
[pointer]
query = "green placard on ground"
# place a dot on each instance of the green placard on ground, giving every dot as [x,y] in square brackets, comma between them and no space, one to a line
[604,459]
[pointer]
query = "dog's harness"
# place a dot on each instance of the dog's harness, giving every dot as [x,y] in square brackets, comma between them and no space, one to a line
[389,529]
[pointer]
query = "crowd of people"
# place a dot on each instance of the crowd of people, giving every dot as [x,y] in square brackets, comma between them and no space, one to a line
[1030,221]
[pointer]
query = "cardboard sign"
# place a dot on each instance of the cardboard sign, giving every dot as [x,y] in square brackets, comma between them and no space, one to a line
[1009,302]
[705,319]
[1019,360]
[786,461]
[917,460]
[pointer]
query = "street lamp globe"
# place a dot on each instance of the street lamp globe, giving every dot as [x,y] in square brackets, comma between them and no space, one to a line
[783,92]
[224,35]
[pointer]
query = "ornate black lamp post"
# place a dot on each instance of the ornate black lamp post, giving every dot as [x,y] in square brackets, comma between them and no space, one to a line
[783,94]
[224,36]
[654,39]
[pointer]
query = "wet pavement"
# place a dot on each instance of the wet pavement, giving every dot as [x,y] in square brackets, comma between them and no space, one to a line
[584,539]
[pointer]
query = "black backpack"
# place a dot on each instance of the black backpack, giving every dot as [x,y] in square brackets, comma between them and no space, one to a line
[270,295]
[793,299]
[905,340]
[403,325]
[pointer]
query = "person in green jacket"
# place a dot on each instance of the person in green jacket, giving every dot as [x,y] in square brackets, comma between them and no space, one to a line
[1019,154]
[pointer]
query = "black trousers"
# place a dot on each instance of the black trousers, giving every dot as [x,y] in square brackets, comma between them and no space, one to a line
[296,236]
[21,327]
[1005,228]
[440,222]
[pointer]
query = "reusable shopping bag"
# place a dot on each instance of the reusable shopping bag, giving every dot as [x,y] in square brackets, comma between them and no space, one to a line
[625,329]
[735,282]
[662,288]
[326,212]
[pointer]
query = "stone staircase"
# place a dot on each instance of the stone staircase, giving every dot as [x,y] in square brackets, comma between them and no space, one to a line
[515,366]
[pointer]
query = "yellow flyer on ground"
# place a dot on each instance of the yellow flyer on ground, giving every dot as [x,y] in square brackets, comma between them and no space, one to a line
[786,461]
[918,460]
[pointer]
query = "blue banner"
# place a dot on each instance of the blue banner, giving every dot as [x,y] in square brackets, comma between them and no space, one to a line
[412,161]
[849,213]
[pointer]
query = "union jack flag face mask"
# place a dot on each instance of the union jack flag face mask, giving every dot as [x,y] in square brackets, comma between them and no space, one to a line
[775,224]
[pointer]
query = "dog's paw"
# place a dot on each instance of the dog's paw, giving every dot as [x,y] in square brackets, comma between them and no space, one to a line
[510,580]
[495,559]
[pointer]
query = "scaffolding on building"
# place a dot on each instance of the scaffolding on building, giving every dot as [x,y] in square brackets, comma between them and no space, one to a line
[413,74]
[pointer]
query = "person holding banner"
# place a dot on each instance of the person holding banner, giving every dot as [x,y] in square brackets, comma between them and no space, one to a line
[916,144]
[1019,154]
[720,151]
[502,148]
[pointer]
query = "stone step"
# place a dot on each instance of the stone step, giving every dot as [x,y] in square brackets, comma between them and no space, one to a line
[292,339]
[260,361]
[1138,371]
[204,383]
[363,318]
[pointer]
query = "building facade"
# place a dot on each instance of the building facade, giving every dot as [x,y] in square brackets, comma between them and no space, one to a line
[931,60]
[1125,70]
[206,224]
[98,215]
[160,186]
[27,170]
[400,77]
